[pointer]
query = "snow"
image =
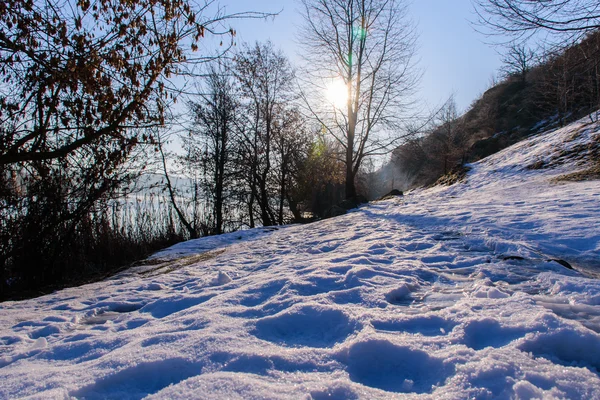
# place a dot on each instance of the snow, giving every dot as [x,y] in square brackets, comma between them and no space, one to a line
[451,292]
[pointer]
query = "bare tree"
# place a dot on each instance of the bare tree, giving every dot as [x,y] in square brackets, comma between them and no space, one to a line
[520,19]
[265,79]
[210,141]
[75,73]
[448,138]
[292,143]
[518,60]
[367,46]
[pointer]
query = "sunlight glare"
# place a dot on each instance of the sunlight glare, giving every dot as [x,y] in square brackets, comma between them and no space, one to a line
[337,93]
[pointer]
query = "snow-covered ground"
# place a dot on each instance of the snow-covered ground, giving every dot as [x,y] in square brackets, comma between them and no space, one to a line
[449,293]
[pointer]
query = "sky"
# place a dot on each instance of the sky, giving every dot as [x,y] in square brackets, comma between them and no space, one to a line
[454,57]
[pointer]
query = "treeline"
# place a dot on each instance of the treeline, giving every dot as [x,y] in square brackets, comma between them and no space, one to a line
[252,156]
[85,89]
[536,93]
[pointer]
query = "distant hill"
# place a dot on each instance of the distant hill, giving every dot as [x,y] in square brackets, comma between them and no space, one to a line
[561,87]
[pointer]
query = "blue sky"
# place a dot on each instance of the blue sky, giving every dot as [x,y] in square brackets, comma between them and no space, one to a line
[454,57]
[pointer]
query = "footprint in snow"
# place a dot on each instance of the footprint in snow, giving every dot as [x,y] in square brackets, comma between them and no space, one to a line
[383,365]
[140,380]
[310,326]
[44,332]
[110,312]
[254,296]
[314,285]
[167,306]
[567,347]
[489,333]
[401,296]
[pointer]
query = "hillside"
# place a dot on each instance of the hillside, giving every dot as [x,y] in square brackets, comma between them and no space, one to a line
[547,91]
[450,292]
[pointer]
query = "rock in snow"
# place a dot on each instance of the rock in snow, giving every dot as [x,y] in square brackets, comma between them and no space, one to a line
[447,295]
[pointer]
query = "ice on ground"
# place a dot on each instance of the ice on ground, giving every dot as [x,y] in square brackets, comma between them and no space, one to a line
[453,292]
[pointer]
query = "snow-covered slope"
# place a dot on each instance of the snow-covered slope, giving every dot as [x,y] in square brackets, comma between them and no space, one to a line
[449,293]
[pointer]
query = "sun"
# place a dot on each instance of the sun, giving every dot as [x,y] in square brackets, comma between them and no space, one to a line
[337,94]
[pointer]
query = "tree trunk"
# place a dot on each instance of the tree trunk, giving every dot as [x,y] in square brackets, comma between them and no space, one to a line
[219,206]
[282,193]
[294,209]
[221,151]
[350,186]
[252,198]
[264,209]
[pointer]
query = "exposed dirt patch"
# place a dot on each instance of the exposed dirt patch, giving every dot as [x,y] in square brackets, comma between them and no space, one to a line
[581,155]
[456,175]
[539,164]
[164,266]
[590,174]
